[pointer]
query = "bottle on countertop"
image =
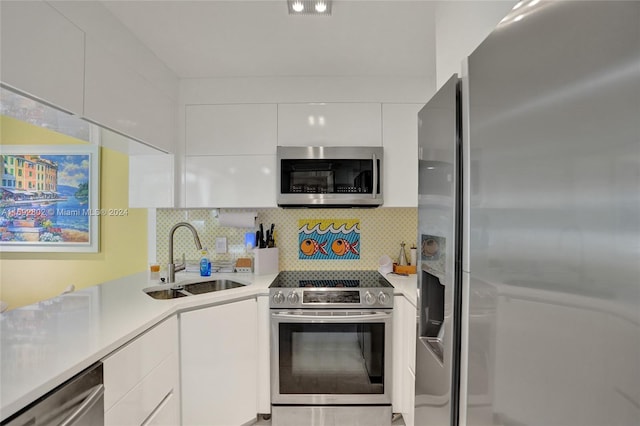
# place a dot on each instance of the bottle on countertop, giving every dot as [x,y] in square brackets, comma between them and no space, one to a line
[402,257]
[205,263]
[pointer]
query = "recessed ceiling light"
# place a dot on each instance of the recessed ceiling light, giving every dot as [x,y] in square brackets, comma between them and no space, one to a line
[297,6]
[309,7]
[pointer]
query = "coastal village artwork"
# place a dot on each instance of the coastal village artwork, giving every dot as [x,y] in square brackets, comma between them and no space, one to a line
[48,198]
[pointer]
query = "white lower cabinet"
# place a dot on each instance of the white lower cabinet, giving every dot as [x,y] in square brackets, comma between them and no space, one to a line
[264,355]
[404,344]
[141,379]
[219,364]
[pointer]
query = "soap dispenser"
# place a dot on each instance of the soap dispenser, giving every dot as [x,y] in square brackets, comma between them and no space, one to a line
[402,257]
[205,263]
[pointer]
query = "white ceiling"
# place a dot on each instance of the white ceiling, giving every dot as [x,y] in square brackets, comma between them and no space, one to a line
[237,38]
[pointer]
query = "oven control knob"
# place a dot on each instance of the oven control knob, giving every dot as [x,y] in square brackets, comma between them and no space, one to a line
[383,298]
[369,298]
[278,298]
[293,298]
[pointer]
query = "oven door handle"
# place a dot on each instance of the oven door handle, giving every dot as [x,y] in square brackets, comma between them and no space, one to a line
[361,317]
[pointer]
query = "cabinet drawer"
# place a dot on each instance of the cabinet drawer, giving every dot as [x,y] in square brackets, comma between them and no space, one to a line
[129,365]
[154,399]
[167,413]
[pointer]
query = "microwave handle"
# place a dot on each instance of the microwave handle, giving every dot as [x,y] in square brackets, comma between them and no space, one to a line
[374,183]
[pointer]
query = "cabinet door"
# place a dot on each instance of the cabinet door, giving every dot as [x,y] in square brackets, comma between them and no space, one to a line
[404,337]
[218,364]
[330,124]
[42,54]
[119,98]
[400,142]
[399,348]
[231,129]
[151,180]
[233,181]
[264,355]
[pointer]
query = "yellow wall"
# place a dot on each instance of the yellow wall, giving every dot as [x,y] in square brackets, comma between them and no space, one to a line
[27,278]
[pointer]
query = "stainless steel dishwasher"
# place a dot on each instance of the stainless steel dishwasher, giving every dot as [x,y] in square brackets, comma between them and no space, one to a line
[77,402]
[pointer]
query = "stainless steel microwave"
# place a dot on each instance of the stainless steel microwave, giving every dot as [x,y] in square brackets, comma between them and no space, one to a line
[321,176]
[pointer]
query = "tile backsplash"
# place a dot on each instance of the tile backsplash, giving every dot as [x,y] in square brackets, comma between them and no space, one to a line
[381,232]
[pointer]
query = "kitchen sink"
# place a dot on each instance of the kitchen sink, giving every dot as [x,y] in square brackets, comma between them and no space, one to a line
[183,290]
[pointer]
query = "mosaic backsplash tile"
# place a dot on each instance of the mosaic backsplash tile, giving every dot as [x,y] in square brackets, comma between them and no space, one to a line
[381,232]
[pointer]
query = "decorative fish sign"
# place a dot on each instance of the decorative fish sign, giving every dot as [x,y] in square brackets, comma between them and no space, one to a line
[310,247]
[328,239]
[342,247]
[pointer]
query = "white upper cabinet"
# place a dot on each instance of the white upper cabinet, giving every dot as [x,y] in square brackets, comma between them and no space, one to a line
[242,129]
[400,142]
[151,180]
[119,98]
[42,54]
[232,181]
[230,155]
[330,124]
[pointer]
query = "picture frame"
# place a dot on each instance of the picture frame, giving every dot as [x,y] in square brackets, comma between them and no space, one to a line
[49,198]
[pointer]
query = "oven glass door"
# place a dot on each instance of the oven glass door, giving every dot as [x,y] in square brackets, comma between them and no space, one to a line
[336,360]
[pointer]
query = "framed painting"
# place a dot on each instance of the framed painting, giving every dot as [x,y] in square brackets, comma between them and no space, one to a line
[49,198]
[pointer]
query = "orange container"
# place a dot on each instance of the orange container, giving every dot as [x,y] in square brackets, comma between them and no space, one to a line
[404,269]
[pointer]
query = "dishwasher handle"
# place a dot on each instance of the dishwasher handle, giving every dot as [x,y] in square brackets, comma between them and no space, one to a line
[89,402]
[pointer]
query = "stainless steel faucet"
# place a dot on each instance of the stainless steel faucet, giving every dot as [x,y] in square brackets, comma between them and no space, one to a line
[173,268]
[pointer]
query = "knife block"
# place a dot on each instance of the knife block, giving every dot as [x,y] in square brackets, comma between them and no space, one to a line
[266,261]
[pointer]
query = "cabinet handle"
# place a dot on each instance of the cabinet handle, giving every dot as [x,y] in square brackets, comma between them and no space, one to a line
[159,407]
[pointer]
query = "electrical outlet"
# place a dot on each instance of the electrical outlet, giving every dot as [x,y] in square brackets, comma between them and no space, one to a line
[221,244]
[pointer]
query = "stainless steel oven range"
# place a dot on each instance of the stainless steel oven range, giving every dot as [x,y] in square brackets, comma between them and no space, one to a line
[331,348]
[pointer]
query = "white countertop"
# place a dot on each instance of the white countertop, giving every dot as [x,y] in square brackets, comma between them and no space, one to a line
[405,285]
[44,344]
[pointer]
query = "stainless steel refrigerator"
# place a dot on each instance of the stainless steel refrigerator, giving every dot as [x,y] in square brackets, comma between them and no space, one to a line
[529,223]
